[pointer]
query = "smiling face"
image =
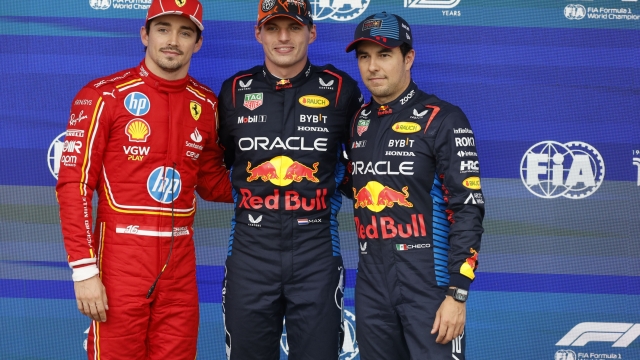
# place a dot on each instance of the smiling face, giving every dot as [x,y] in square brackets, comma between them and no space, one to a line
[285,42]
[170,43]
[385,72]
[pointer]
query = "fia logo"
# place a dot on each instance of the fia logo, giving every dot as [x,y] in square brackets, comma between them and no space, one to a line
[339,10]
[575,12]
[100,4]
[573,170]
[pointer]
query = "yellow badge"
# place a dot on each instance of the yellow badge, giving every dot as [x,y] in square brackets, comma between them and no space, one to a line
[472,183]
[196,110]
[405,127]
[314,101]
[181,3]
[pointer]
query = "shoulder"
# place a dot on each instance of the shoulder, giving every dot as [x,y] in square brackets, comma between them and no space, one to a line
[245,76]
[114,81]
[331,70]
[200,90]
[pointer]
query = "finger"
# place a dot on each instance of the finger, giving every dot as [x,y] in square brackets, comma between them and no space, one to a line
[80,306]
[442,333]
[94,312]
[101,312]
[436,323]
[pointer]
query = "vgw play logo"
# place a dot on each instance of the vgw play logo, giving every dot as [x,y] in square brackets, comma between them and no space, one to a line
[573,170]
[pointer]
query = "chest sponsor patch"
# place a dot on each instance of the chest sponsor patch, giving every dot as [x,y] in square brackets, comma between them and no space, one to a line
[252,101]
[196,110]
[313,101]
[472,183]
[406,127]
[363,125]
[138,130]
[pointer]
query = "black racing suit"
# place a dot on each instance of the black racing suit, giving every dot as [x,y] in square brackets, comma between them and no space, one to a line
[284,141]
[418,215]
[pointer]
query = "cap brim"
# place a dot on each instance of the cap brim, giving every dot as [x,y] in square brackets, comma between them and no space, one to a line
[390,44]
[267,18]
[193,19]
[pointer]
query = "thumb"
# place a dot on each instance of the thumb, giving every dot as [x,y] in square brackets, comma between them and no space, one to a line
[104,298]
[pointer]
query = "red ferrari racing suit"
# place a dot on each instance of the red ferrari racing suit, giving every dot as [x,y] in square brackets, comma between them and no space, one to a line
[143,143]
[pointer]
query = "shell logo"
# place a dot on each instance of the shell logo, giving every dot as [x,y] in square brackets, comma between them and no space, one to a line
[405,127]
[313,101]
[472,183]
[138,130]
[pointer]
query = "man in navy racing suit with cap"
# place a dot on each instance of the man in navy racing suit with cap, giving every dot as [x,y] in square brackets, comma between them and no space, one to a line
[283,125]
[418,205]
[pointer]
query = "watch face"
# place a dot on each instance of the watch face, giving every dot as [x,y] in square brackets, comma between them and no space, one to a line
[460,295]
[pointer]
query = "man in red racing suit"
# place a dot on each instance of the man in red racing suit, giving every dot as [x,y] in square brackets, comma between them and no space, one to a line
[143,138]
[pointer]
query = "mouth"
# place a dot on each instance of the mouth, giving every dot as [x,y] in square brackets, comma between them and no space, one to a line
[283,49]
[171,52]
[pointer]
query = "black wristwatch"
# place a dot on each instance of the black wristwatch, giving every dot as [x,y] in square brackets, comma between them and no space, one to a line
[458,294]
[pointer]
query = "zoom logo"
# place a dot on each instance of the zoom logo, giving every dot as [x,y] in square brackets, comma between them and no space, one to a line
[573,170]
[620,334]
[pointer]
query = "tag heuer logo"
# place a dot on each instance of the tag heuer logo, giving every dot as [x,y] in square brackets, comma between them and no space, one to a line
[196,110]
[252,101]
[363,125]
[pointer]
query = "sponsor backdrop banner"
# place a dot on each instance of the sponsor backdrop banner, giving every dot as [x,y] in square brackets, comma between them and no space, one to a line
[552,90]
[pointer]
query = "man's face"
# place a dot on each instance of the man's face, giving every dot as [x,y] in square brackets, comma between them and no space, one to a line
[285,43]
[170,43]
[385,72]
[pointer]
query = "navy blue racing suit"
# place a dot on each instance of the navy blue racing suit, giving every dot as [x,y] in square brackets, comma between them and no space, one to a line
[284,141]
[418,216]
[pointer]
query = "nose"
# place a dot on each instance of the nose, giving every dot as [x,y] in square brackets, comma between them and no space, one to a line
[373,64]
[283,35]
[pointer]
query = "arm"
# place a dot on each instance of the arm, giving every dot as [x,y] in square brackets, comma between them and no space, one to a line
[81,166]
[213,177]
[460,176]
[353,109]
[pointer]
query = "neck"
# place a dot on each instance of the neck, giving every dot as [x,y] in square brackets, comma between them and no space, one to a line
[285,72]
[163,74]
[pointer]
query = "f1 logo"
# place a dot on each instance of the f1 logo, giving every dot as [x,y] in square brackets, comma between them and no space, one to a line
[620,334]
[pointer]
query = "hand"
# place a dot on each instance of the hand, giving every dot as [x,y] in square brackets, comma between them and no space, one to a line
[450,320]
[92,298]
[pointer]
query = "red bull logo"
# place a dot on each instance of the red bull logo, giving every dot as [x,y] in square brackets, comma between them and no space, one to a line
[376,197]
[292,200]
[283,84]
[386,227]
[384,110]
[282,171]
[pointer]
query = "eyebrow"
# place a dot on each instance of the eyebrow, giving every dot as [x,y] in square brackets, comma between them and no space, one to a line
[164,23]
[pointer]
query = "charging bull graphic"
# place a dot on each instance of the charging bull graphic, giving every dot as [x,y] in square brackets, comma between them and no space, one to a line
[282,171]
[376,197]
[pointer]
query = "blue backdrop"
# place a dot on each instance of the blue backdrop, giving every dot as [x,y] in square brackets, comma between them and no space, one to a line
[552,90]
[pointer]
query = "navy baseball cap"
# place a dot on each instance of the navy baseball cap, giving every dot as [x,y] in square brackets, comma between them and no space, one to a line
[384,29]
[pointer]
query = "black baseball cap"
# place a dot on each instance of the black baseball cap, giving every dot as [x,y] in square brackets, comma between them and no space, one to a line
[299,10]
[384,29]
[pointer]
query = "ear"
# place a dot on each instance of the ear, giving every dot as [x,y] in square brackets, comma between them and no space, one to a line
[408,60]
[198,45]
[313,34]
[144,37]
[257,33]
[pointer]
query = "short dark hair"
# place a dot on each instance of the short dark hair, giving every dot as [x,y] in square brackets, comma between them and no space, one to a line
[404,49]
[147,27]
